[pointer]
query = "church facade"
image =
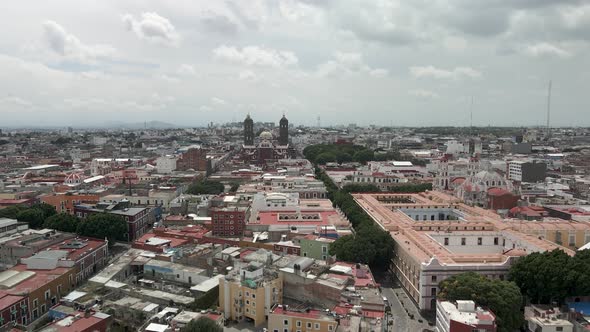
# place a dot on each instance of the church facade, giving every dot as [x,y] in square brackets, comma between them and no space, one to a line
[268,148]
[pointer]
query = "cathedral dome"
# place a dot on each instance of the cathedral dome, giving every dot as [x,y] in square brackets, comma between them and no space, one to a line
[266,135]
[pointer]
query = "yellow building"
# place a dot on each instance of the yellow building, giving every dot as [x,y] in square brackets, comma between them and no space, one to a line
[570,234]
[249,293]
[283,320]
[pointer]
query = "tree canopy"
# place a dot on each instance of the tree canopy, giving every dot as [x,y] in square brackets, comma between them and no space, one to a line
[104,225]
[62,222]
[34,215]
[552,275]
[321,154]
[206,187]
[501,297]
[370,244]
[203,324]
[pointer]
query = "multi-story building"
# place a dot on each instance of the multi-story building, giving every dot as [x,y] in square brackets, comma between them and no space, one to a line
[192,157]
[283,319]
[86,255]
[463,316]
[251,292]
[28,243]
[64,202]
[437,236]
[11,226]
[316,247]
[166,164]
[13,310]
[138,219]
[229,221]
[544,318]
[28,292]
[570,234]
[527,171]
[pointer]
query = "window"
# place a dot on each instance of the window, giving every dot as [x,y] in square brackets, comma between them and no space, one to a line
[286,322]
[298,323]
[35,303]
[247,294]
[463,241]
[253,295]
[495,241]
[558,328]
[47,293]
[308,325]
[248,302]
[479,241]
[317,326]
[433,291]
[330,327]
[446,241]
[434,278]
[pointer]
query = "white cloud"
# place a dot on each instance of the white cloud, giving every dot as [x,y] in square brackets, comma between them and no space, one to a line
[70,47]
[379,72]
[546,49]
[423,94]
[153,28]
[13,101]
[206,109]
[256,56]
[186,70]
[433,72]
[248,75]
[218,101]
[346,63]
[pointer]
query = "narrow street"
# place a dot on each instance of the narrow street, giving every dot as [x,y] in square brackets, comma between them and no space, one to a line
[402,310]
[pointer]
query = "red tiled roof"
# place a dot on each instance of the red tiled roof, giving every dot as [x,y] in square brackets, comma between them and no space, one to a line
[498,192]
[9,300]
[313,314]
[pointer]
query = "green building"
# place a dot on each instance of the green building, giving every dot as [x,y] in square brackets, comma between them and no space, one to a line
[316,247]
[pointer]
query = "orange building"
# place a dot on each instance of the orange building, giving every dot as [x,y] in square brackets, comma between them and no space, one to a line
[65,202]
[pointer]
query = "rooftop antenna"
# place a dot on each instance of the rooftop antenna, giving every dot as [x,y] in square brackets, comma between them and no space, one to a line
[548,107]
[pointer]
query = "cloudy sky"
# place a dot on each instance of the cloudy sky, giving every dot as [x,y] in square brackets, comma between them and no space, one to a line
[384,62]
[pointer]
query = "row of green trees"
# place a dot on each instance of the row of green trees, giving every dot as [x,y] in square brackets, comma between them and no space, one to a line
[502,297]
[541,278]
[100,226]
[370,244]
[321,154]
[206,187]
[371,188]
[552,276]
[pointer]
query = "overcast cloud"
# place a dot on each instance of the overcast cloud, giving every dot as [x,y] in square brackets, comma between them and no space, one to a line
[190,62]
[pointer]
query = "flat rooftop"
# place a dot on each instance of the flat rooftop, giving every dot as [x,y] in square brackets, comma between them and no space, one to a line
[415,237]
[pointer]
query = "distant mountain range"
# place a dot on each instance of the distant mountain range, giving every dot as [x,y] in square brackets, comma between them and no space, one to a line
[139,125]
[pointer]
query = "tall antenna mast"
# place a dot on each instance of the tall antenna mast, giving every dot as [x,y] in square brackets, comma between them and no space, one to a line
[471,115]
[548,107]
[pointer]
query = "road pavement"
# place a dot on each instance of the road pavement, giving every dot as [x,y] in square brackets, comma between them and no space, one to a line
[402,311]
